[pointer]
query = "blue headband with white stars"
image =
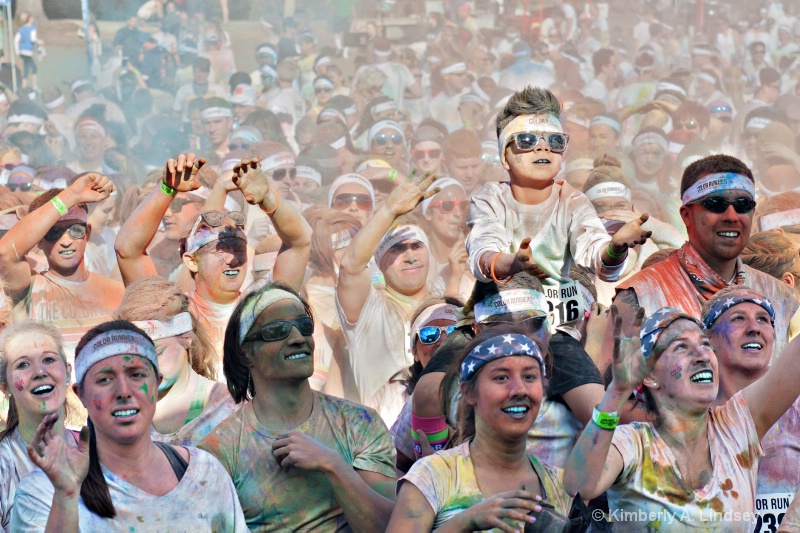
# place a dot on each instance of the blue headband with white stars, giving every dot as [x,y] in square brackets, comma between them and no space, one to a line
[655,325]
[497,347]
[735,298]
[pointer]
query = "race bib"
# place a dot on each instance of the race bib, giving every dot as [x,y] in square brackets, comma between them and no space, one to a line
[770,509]
[564,304]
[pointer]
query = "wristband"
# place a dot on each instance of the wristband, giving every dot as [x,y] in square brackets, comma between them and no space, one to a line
[392,174]
[59,205]
[614,255]
[603,420]
[277,203]
[491,271]
[166,189]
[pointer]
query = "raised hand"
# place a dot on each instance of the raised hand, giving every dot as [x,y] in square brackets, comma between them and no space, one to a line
[411,192]
[90,188]
[251,180]
[523,261]
[513,505]
[628,366]
[65,467]
[631,234]
[181,173]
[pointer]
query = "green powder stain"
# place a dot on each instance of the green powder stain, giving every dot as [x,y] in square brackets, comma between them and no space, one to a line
[127,357]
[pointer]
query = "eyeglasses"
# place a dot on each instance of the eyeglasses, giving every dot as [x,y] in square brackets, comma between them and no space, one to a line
[343,201]
[431,154]
[280,329]
[23,187]
[178,203]
[215,219]
[718,205]
[490,159]
[280,173]
[382,139]
[431,334]
[447,206]
[320,90]
[75,232]
[527,141]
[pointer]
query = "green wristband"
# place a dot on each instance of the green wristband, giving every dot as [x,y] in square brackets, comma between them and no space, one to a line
[605,420]
[166,189]
[392,174]
[614,255]
[59,205]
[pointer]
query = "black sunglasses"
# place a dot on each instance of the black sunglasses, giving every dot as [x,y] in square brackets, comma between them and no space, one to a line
[238,146]
[280,174]
[75,232]
[24,187]
[718,205]
[280,329]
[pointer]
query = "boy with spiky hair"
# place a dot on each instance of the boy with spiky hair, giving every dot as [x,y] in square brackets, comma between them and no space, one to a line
[537,224]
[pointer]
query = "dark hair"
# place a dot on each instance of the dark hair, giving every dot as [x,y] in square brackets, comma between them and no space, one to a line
[711,165]
[601,58]
[528,101]
[94,489]
[235,362]
[45,198]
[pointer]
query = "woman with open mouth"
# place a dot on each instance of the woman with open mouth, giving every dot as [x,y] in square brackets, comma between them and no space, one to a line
[34,376]
[489,480]
[693,464]
[118,478]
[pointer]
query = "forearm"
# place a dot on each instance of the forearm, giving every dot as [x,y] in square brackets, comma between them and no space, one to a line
[364,508]
[453,288]
[63,513]
[584,469]
[216,199]
[291,226]
[620,254]
[29,231]
[366,241]
[504,266]
[138,231]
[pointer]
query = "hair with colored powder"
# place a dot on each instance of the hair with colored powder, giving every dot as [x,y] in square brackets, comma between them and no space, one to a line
[528,101]
[155,298]
[712,165]
[325,222]
[772,253]
[235,362]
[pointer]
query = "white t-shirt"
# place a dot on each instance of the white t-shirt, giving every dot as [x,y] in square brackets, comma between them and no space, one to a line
[204,500]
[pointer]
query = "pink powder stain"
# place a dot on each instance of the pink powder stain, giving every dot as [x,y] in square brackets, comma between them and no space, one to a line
[97,405]
[19,384]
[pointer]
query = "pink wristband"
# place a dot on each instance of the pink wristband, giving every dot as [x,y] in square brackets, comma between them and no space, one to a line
[435,428]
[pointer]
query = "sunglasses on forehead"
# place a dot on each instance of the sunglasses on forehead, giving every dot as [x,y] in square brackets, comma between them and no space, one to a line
[280,329]
[527,141]
[215,219]
[281,173]
[75,232]
[719,205]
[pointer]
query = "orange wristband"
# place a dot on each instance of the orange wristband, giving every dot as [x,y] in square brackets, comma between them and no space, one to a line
[277,203]
[491,271]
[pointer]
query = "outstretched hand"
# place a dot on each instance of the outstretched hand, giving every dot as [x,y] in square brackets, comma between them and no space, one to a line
[523,261]
[181,173]
[65,467]
[411,192]
[251,180]
[90,188]
[628,366]
[631,234]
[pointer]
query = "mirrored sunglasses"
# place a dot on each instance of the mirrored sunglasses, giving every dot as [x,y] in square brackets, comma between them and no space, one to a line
[75,232]
[383,139]
[527,141]
[431,334]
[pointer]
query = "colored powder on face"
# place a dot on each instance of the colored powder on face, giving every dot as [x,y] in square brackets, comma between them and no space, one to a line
[676,371]
[97,405]
[19,384]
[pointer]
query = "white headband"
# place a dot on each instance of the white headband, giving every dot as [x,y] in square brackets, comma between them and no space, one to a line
[701,51]
[381,53]
[330,112]
[384,124]
[264,262]
[608,121]
[339,143]
[582,163]
[443,311]
[441,183]
[48,105]
[91,125]
[199,237]
[255,306]
[111,343]
[512,301]
[585,123]
[691,159]
[780,219]
[455,67]
[352,110]
[609,189]
[322,82]
[309,173]
[25,119]
[397,235]
[201,192]
[650,137]
[668,86]
[341,240]
[757,123]
[164,329]
[216,112]
[708,77]
[525,123]
[277,160]
[718,182]
[383,106]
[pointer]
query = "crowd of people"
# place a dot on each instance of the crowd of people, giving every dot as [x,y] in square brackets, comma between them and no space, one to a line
[501,273]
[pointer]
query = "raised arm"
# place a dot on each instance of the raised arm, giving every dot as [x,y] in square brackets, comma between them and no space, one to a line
[594,465]
[135,235]
[291,227]
[354,279]
[29,231]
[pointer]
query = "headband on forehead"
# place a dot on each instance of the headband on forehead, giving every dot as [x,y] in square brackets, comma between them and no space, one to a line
[339,143]
[164,329]
[669,86]
[383,106]
[608,121]
[398,235]
[579,164]
[25,119]
[75,214]
[382,125]
[48,105]
[734,298]
[255,306]
[511,301]
[264,262]
[757,123]
[332,112]
[454,68]
[443,311]
[277,160]
[441,184]
[341,239]
[202,235]
[780,219]
[707,77]
[718,182]
[654,326]
[111,343]
[609,189]
[497,347]
[527,123]
[650,137]
[323,82]
[309,173]
[216,112]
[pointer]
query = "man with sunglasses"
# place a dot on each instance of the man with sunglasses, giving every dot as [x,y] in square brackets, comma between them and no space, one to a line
[718,203]
[66,295]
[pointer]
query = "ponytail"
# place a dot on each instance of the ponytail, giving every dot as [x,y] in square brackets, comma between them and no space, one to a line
[94,489]
[12,420]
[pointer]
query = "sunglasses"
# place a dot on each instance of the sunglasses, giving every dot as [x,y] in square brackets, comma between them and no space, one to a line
[75,232]
[237,146]
[215,219]
[527,141]
[343,201]
[490,159]
[321,90]
[23,187]
[447,206]
[431,154]
[178,203]
[280,329]
[383,139]
[431,334]
[721,109]
[280,174]
[691,125]
[720,205]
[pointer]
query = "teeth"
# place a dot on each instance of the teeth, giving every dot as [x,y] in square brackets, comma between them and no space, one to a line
[754,345]
[297,356]
[125,413]
[728,234]
[67,252]
[543,161]
[515,410]
[231,272]
[703,377]
[43,389]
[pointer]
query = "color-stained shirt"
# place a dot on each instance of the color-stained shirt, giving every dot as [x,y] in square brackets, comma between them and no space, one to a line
[778,472]
[275,500]
[204,500]
[219,407]
[447,480]
[651,489]
[213,318]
